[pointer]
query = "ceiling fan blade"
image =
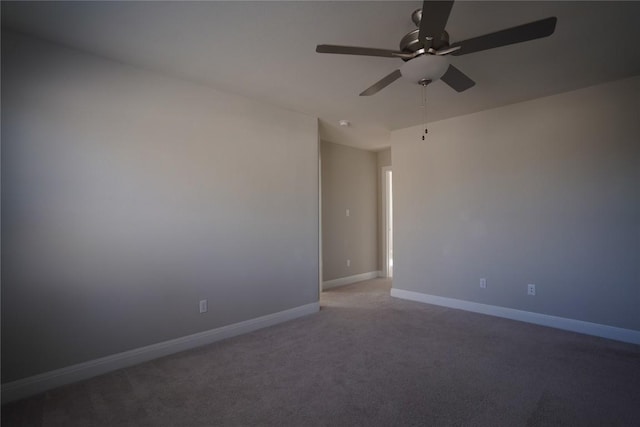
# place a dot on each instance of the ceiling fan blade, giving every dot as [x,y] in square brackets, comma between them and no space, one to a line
[521,33]
[384,82]
[457,79]
[354,50]
[445,50]
[435,15]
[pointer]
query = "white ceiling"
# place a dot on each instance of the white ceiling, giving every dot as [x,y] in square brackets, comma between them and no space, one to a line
[266,51]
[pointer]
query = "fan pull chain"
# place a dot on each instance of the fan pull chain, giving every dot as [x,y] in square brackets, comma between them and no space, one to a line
[424,106]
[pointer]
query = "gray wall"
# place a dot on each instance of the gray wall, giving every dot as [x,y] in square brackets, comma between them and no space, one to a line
[128,196]
[544,192]
[383,158]
[348,182]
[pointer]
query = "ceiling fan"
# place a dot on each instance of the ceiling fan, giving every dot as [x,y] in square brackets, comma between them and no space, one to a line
[425,49]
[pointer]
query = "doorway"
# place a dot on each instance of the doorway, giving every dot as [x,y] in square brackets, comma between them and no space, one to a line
[388,221]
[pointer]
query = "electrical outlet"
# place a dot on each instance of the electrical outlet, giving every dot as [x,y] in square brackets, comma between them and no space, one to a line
[347,212]
[203,306]
[483,283]
[348,263]
[531,289]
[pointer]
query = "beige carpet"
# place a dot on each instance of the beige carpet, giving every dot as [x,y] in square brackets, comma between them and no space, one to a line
[365,360]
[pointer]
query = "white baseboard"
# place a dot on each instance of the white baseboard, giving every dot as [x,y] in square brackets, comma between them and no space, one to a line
[604,331]
[39,383]
[342,281]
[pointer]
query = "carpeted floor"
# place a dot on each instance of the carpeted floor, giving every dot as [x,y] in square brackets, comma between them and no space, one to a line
[365,360]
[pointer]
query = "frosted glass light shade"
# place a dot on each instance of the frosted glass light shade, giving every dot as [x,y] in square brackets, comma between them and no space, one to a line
[430,67]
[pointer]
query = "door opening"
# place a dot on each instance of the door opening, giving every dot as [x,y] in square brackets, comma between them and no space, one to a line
[388,221]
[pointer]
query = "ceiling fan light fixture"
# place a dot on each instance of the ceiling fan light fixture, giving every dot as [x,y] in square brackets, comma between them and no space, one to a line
[424,67]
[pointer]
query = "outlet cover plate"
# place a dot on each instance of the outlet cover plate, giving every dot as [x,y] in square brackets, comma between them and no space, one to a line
[203,306]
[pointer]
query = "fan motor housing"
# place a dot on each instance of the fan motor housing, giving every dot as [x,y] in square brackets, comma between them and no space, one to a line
[411,43]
